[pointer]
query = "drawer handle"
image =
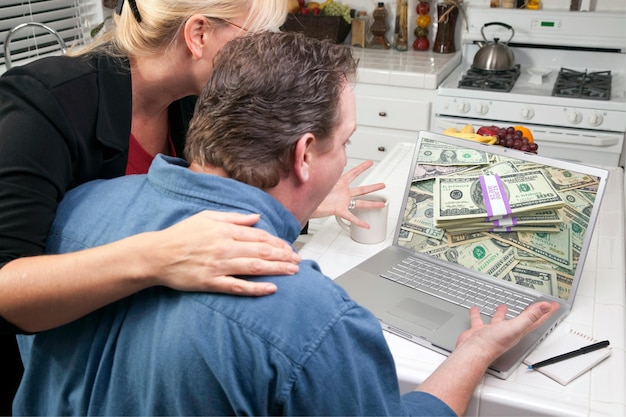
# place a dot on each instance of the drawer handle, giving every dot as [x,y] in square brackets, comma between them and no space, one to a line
[382,113]
[381,149]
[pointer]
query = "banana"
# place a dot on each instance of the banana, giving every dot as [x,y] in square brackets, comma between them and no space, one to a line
[452,131]
[467,129]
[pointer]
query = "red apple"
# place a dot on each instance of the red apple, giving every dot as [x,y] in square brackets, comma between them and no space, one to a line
[422,7]
[488,130]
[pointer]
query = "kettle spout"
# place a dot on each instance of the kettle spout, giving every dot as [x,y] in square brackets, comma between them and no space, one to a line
[480,44]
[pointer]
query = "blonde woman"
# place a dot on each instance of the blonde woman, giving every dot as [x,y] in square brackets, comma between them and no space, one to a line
[106,112]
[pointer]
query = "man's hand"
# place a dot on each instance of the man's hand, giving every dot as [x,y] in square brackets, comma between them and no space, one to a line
[455,380]
[337,201]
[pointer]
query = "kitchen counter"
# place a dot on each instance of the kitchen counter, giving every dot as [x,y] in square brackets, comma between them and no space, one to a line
[415,69]
[599,311]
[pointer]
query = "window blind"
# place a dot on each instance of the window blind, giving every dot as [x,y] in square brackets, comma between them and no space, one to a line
[71,19]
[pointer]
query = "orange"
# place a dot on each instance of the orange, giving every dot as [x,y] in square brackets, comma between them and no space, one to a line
[525,132]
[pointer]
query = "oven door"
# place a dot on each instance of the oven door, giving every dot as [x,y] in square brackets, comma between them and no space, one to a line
[583,146]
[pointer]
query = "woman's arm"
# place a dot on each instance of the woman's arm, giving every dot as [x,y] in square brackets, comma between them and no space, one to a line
[48,145]
[200,253]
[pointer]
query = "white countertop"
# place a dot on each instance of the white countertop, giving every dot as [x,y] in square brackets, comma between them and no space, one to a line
[415,69]
[599,311]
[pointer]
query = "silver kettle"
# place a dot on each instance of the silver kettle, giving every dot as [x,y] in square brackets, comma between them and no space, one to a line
[494,56]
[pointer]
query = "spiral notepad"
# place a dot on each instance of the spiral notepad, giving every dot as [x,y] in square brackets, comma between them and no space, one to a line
[566,371]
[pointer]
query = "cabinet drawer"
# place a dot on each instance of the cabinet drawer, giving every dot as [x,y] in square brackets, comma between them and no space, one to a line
[392,113]
[374,143]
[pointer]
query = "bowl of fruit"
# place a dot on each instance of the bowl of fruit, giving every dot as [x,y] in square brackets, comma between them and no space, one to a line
[325,20]
[514,137]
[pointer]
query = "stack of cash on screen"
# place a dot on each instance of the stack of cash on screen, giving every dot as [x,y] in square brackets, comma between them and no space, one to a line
[510,218]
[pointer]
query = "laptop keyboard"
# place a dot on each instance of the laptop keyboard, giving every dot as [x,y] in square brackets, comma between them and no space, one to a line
[456,288]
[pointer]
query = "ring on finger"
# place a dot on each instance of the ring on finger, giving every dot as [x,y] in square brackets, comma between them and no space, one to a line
[352,204]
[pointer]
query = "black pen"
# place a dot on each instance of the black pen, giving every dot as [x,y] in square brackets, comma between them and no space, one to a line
[569,355]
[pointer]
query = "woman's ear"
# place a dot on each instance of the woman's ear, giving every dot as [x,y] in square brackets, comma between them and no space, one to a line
[195,32]
[303,157]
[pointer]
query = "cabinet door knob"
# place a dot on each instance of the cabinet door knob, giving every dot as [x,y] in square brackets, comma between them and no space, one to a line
[381,149]
[382,113]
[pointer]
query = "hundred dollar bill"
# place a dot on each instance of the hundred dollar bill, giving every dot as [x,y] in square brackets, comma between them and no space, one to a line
[485,196]
[418,215]
[499,168]
[544,281]
[439,156]
[547,228]
[426,172]
[548,216]
[483,256]
[553,247]
[564,179]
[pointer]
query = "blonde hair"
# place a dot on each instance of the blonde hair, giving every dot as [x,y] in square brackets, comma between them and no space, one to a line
[161,21]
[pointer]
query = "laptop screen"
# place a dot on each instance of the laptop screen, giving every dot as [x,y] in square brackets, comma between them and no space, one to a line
[505,213]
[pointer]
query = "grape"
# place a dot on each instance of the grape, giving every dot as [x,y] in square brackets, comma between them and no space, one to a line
[338,9]
[509,137]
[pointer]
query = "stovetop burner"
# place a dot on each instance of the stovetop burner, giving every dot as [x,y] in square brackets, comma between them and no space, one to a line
[493,80]
[587,85]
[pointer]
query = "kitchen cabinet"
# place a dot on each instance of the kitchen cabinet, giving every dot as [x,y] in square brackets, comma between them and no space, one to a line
[394,93]
[387,116]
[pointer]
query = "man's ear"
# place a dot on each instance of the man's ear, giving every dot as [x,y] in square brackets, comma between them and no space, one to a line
[195,32]
[303,157]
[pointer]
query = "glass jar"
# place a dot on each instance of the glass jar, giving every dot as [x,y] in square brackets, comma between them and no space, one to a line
[447,14]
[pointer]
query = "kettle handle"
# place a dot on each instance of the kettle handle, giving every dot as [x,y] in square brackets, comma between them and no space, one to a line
[482,29]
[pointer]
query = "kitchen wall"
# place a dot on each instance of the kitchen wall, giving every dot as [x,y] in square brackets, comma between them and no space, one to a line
[561,5]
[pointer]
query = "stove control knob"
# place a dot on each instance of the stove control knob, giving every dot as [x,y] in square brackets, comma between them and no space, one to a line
[596,119]
[463,106]
[527,113]
[482,108]
[575,117]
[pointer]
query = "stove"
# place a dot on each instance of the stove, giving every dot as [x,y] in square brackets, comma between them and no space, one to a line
[568,86]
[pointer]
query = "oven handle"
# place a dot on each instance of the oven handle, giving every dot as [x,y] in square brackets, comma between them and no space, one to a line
[600,140]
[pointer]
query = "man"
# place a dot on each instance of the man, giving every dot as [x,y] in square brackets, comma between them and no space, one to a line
[268,136]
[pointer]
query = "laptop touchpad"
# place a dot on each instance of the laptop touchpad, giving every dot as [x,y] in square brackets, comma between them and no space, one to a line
[421,314]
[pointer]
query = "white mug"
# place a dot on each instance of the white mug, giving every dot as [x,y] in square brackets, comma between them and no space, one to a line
[376,218]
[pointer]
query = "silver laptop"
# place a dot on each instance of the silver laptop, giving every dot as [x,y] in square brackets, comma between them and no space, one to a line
[480,225]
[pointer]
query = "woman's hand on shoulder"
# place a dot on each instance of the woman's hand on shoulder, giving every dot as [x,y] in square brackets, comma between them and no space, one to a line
[205,251]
